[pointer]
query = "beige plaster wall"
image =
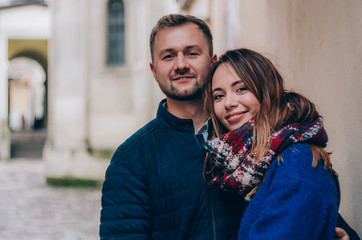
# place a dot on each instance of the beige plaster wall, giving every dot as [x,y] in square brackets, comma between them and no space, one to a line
[317,45]
[19,45]
[93,107]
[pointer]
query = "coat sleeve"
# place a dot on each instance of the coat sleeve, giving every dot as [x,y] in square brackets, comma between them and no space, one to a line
[292,204]
[126,208]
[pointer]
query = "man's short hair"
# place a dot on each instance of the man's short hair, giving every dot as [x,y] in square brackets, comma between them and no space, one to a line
[175,20]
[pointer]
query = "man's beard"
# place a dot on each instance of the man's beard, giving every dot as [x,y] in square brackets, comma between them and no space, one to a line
[186,95]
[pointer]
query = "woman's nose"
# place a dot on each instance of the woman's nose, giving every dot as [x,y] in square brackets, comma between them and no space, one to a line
[230,101]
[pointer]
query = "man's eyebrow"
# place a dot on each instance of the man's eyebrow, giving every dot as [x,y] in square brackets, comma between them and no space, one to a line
[166,50]
[193,46]
[186,48]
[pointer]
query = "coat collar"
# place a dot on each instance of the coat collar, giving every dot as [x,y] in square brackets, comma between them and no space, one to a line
[184,125]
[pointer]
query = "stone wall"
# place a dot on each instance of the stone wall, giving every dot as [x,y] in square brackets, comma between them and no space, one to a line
[317,46]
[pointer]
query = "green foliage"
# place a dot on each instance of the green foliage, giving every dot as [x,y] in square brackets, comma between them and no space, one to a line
[99,153]
[73,182]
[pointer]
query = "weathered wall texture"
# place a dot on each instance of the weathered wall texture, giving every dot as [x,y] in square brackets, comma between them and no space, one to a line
[317,46]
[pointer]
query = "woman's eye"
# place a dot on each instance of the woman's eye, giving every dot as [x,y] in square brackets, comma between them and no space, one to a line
[218,96]
[241,89]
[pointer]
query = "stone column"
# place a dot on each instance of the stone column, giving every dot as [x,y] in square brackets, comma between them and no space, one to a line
[4,129]
[65,151]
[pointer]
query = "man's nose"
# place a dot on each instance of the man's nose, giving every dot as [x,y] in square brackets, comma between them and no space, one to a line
[181,62]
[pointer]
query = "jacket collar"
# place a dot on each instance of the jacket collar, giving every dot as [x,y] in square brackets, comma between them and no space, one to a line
[184,125]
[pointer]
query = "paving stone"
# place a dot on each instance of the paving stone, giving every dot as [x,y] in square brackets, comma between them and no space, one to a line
[30,209]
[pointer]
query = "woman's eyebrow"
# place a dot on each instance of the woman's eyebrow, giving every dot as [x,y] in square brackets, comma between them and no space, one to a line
[216,89]
[233,84]
[236,83]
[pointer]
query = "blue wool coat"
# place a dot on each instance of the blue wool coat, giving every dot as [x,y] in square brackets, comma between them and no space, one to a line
[296,201]
[154,188]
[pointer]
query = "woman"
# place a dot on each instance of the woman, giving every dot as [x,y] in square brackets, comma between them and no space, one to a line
[269,148]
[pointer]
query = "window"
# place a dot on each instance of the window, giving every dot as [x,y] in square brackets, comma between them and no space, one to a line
[116,36]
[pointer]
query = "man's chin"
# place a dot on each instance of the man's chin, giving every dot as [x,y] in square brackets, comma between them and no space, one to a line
[185,97]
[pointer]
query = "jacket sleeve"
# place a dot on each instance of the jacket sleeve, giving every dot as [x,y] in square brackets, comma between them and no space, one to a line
[126,208]
[292,205]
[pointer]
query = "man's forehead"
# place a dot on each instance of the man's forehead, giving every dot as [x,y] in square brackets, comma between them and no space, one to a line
[187,35]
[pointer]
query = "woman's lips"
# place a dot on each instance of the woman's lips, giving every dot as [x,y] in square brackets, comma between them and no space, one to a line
[232,117]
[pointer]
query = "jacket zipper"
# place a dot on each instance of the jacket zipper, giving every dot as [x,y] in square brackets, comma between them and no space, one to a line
[213,215]
[211,194]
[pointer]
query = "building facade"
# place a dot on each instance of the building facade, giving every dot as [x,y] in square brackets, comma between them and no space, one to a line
[23,48]
[100,89]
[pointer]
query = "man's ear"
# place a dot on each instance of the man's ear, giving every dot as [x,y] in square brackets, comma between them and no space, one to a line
[213,58]
[152,67]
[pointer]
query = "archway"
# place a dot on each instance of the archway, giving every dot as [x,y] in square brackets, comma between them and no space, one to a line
[27,93]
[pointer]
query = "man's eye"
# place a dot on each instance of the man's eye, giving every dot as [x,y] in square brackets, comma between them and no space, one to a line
[193,54]
[167,57]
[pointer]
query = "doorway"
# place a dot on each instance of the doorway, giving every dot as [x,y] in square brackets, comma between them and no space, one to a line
[27,107]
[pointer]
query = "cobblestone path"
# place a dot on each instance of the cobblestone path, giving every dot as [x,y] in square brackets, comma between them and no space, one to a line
[29,209]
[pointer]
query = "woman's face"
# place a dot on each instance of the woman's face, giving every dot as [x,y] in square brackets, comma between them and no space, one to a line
[234,105]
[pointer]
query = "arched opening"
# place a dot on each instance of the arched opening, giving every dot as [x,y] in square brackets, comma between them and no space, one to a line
[27,93]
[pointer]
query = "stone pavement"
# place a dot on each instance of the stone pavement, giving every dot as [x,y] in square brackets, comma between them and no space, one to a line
[29,209]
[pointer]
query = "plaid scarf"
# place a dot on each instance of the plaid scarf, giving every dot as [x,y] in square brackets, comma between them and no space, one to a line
[235,167]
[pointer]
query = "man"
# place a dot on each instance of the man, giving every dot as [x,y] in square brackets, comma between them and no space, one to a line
[154,186]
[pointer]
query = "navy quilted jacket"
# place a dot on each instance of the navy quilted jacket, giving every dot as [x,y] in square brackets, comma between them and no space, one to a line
[154,188]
